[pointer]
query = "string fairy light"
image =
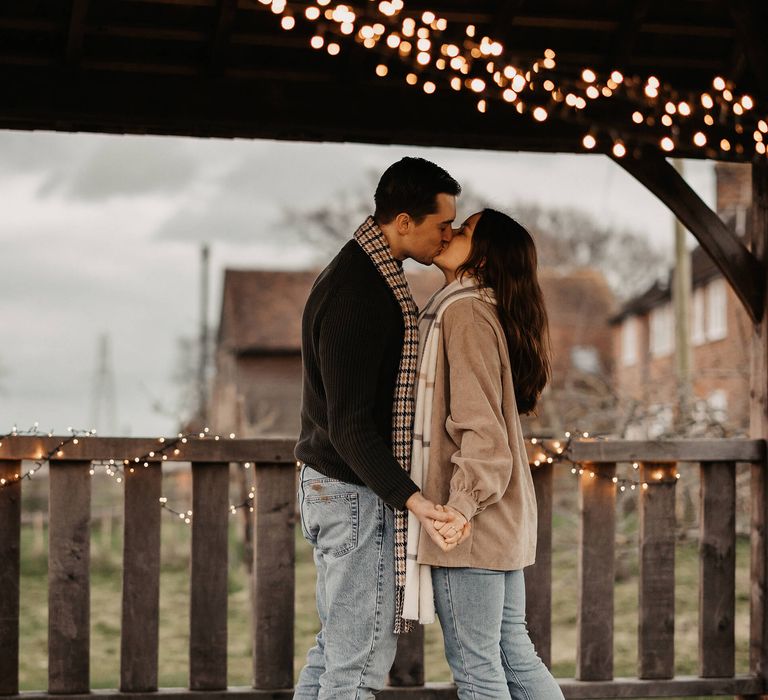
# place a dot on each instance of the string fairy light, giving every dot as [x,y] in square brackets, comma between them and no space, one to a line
[719,119]
[558,451]
[116,469]
[549,451]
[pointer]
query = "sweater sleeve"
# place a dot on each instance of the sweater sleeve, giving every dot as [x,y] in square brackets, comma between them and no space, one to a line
[475,422]
[351,339]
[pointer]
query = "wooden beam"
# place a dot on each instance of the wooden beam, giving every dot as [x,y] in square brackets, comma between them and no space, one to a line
[225,18]
[758,393]
[738,265]
[223,450]
[630,26]
[74,48]
[749,18]
[271,105]
[531,19]
[700,450]
[688,686]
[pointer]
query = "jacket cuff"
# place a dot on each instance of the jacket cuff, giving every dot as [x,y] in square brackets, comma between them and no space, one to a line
[463,502]
[398,496]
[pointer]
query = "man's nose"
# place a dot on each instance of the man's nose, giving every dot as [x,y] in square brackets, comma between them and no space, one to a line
[448,235]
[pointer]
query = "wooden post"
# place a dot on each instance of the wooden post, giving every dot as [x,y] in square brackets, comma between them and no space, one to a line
[141,580]
[597,506]
[274,575]
[717,569]
[208,600]
[538,578]
[10,561]
[69,584]
[408,669]
[758,656]
[656,629]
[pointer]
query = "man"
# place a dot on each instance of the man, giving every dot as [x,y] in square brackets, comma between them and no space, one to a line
[359,351]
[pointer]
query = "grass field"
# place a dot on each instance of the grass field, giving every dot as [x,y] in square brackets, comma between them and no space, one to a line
[106,548]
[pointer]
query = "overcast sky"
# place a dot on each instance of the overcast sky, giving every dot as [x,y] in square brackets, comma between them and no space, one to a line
[101,234]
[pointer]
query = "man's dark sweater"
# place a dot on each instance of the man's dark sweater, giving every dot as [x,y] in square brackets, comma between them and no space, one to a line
[352,338]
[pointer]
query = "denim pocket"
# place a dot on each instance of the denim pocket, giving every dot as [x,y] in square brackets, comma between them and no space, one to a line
[331,519]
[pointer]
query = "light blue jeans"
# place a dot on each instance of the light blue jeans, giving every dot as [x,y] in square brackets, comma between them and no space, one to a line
[482,613]
[352,535]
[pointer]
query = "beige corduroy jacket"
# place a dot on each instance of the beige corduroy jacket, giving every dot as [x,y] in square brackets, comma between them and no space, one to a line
[478,462]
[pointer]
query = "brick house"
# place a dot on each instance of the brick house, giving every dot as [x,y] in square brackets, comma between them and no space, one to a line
[719,334]
[257,384]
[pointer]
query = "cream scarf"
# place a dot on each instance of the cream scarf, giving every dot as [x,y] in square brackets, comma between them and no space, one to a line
[419,599]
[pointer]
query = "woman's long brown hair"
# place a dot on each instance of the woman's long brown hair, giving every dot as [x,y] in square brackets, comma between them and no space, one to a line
[503,257]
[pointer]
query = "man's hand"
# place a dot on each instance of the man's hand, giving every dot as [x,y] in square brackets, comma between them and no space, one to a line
[455,531]
[429,514]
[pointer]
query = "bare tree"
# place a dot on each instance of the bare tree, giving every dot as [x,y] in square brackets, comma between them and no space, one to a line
[566,237]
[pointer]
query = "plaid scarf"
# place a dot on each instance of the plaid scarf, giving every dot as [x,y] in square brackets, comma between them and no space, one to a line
[419,597]
[375,245]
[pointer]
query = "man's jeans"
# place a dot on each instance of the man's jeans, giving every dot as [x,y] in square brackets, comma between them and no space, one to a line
[487,646]
[352,534]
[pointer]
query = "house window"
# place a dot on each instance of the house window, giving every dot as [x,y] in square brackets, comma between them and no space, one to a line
[716,310]
[661,330]
[697,316]
[585,358]
[629,341]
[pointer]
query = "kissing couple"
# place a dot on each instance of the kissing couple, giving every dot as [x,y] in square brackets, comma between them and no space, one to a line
[415,490]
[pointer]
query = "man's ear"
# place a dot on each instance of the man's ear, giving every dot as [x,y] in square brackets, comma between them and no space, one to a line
[403,223]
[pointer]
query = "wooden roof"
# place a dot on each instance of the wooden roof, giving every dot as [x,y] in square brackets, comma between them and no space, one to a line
[227,68]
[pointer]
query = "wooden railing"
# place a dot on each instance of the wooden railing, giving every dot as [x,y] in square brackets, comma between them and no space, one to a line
[274,571]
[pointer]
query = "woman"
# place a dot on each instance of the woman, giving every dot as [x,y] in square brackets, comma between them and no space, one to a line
[484,357]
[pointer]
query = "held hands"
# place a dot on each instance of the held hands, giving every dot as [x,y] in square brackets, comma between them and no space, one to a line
[455,531]
[446,527]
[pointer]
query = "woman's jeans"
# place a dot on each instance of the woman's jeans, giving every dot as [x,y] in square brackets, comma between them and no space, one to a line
[352,535]
[482,613]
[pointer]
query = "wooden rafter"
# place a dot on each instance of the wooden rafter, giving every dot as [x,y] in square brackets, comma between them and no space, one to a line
[226,10]
[629,28]
[731,256]
[750,28]
[76,33]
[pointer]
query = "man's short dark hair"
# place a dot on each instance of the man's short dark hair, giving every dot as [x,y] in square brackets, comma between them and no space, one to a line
[411,185]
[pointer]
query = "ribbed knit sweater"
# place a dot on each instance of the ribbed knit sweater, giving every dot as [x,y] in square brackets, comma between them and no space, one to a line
[352,339]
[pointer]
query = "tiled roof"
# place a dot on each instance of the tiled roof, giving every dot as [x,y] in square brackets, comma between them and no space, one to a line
[261,309]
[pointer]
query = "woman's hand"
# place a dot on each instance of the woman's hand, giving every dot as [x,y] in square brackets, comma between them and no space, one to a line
[430,515]
[454,531]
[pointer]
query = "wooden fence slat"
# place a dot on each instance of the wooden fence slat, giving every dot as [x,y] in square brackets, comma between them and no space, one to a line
[538,578]
[656,626]
[408,669]
[274,578]
[10,572]
[758,597]
[141,579]
[597,507]
[717,570]
[69,585]
[208,599]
